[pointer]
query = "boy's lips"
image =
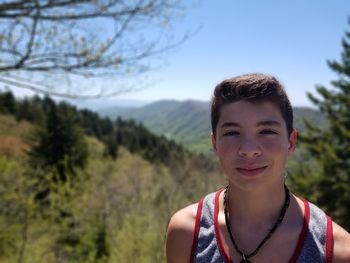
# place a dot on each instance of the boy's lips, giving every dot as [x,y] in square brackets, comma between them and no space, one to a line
[251,171]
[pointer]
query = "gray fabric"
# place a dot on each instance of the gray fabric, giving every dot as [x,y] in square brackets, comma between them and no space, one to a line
[207,251]
[314,249]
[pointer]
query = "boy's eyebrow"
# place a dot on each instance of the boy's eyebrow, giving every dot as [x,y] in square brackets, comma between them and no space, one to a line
[269,123]
[230,124]
[261,123]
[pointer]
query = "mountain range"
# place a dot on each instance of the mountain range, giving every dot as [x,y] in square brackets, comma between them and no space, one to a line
[188,122]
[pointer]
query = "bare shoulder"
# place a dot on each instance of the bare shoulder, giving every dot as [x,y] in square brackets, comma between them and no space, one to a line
[341,239]
[180,234]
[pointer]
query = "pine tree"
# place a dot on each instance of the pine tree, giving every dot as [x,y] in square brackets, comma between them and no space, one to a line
[331,147]
[31,110]
[61,143]
[7,102]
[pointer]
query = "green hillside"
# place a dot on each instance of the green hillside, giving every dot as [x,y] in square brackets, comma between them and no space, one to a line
[185,122]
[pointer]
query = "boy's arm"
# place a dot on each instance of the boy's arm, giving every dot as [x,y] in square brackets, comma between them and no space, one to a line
[180,235]
[341,250]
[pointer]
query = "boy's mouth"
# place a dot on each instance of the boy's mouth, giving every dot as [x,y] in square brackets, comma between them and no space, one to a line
[251,171]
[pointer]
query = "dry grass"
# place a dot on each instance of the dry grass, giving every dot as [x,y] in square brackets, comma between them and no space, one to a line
[13,136]
[13,146]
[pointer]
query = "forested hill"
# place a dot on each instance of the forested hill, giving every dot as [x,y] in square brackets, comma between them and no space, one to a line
[188,122]
[75,187]
[113,133]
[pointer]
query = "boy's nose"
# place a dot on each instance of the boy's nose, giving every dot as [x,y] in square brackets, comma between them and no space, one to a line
[249,148]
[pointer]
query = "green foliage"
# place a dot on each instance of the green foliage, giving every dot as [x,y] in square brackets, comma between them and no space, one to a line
[303,173]
[31,110]
[7,103]
[61,143]
[17,207]
[139,240]
[9,126]
[113,209]
[64,121]
[331,147]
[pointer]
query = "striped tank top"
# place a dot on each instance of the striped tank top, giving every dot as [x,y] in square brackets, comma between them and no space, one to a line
[315,242]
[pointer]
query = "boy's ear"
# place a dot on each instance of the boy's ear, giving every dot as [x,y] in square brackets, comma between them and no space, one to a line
[292,141]
[213,141]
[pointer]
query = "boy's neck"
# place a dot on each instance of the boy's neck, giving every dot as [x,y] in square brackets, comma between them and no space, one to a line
[256,207]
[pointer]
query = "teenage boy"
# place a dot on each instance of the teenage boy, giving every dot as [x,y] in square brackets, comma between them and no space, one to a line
[255,218]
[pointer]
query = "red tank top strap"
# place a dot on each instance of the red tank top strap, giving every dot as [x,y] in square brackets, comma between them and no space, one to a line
[303,233]
[196,229]
[329,240]
[217,228]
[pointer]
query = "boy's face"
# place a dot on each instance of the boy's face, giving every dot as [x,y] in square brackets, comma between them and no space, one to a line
[252,142]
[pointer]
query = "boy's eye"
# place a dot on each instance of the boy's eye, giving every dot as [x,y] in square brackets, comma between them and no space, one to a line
[231,133]
[268,132]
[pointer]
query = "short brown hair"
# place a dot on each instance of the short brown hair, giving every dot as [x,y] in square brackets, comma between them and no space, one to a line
[253,88]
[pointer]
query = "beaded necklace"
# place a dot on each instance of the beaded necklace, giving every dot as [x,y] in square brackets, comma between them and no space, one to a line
[245,257]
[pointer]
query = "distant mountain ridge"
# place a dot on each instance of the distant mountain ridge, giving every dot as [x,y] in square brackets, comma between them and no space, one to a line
[188,122]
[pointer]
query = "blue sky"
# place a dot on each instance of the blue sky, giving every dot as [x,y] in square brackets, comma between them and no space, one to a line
[289,39]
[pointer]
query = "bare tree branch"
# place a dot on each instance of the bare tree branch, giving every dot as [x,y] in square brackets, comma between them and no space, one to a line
[91,38]
[31,38]
[42,89]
